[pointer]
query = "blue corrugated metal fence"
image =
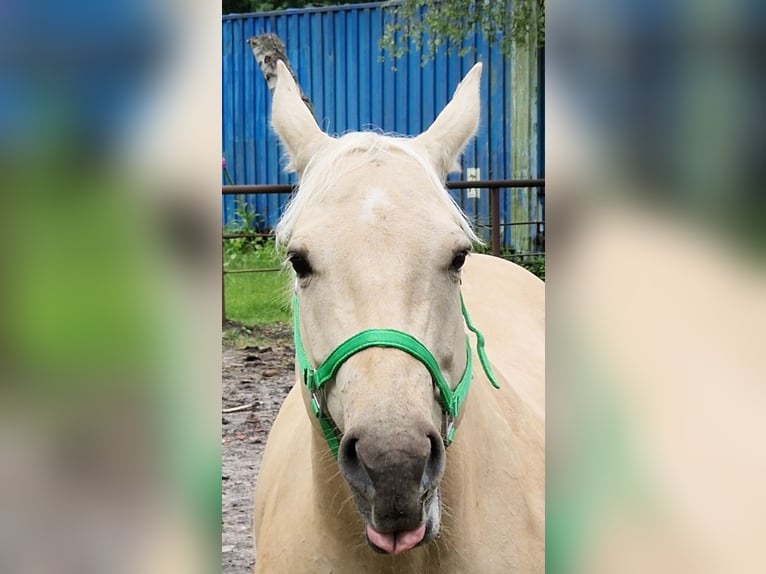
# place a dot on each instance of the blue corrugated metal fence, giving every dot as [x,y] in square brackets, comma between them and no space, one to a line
[353,86]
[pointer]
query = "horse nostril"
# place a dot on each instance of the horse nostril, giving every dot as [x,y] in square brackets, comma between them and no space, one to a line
[435,440]
[348,450]
[352,466]
[435,463]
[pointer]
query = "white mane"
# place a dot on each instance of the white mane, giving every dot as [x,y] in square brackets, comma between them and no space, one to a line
[353,151]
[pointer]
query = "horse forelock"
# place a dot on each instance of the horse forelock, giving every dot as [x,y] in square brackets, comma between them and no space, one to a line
[355,151]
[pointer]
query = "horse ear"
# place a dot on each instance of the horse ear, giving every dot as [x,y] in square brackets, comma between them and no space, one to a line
[294,123]
[445,139]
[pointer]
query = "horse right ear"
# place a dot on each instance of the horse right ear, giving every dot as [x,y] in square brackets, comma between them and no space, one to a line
[294,123]
[456,124]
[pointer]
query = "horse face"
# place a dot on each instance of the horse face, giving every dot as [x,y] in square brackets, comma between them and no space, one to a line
[376,243]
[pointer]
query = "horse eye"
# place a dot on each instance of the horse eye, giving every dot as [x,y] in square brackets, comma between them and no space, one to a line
[458,261]
[300,265]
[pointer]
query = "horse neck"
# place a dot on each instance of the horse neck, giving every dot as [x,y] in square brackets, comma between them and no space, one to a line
[332,497]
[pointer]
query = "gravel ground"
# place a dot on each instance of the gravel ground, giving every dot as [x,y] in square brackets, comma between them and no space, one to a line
[259,374]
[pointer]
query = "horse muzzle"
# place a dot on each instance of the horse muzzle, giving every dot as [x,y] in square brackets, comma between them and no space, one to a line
[395,486]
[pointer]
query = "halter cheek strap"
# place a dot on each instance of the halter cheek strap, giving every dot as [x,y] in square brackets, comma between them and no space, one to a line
[315,379]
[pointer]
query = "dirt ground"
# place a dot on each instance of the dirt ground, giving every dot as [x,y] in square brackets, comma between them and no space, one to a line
[257,370]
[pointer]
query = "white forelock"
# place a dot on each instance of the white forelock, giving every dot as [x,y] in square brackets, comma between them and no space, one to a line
[354,151]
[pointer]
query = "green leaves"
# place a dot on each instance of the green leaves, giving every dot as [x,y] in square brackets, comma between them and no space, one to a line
[426,26]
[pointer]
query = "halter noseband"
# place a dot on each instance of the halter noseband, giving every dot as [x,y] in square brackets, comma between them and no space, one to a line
[450,399]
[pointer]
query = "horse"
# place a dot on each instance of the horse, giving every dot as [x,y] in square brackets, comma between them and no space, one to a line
[380,460]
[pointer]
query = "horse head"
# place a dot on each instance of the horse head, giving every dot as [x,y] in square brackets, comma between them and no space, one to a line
[377,246]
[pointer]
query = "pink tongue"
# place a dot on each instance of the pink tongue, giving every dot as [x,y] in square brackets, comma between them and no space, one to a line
[396,542]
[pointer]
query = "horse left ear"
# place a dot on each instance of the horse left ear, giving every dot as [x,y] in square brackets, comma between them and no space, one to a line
[445,139]
[294,123]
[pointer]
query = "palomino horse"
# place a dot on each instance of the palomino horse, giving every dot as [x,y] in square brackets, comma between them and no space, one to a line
[357,476]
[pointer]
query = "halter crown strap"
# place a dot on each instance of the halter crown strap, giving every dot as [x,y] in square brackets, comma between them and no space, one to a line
[451,399]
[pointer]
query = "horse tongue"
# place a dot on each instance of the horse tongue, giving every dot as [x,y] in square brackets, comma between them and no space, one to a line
[396,542]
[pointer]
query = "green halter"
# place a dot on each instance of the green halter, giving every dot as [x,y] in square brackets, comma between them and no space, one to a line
[451,400]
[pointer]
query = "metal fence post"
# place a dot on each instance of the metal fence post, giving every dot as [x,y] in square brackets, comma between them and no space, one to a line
[494,220]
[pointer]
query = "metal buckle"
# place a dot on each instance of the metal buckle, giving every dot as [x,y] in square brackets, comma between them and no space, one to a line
[318,401]
[448,429]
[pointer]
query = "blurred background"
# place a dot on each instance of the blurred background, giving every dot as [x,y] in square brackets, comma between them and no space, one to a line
[109,276]
[655,287]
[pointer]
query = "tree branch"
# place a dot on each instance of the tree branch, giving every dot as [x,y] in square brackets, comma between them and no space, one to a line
[268,49]
[238,409]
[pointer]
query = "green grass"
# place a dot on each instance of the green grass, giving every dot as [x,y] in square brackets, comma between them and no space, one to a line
[534,264]
[255,298]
